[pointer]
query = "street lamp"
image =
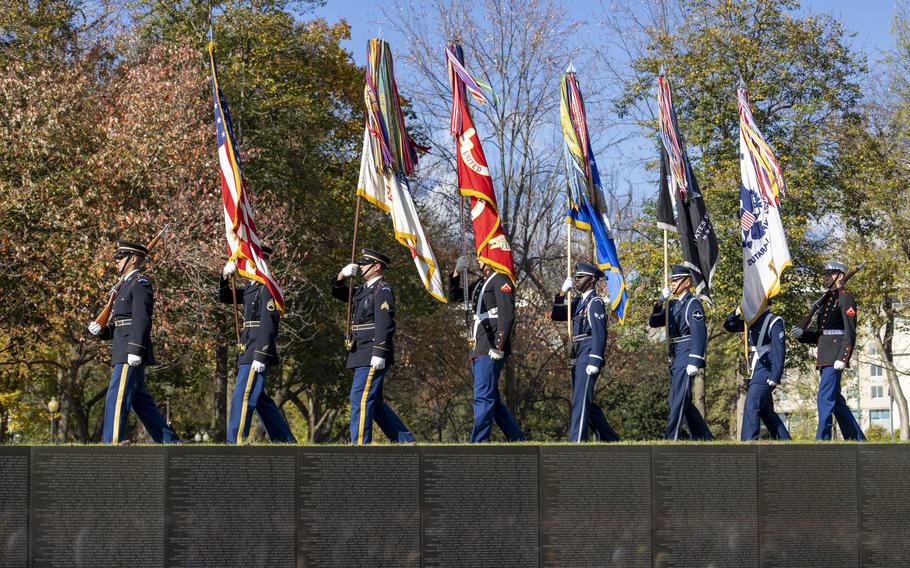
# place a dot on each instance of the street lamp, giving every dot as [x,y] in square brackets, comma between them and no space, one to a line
[52,407]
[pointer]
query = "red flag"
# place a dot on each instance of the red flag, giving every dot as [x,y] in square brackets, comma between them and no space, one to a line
[473,175]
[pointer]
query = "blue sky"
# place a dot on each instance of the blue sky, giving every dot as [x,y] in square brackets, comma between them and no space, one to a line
[869,20]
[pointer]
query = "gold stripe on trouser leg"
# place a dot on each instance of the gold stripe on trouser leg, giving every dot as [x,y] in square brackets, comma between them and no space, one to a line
[246,399]
[363,404]
[116,438]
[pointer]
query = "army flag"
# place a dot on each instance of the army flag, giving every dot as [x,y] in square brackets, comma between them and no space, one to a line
[587,208]
[696,232]
[474,179]
[765,251]
[389,157]
[244,245]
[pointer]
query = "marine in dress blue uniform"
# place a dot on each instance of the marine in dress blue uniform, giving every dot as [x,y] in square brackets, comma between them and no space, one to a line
[767,353]
[372,349]
[493,302]
[688,342]
[259,352]
[130,329]
[589,342]
[835,336]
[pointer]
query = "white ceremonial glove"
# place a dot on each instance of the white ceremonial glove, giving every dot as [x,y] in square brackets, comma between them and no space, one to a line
[377,363]
[567,285]
[229,269]
[772,384]
[462,264]
[591,370]
[350,270]
[664,294]
[496,354]
[94,328]
[258,367]
[691,370]
[839,365]
[134,360]
[796,332]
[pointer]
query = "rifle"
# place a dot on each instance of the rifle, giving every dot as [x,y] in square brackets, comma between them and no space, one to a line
[806,321]
[105,314]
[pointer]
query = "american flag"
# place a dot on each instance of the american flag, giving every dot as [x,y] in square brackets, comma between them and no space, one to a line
[244,245]
[746,220]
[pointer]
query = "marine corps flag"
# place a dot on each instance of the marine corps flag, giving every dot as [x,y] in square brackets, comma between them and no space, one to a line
[389,156]
[587,203]
[244,246]
[765,251]
[473,174]
[696,232]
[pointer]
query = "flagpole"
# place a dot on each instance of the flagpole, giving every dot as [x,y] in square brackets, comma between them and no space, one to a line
[347,324]
[464,273]
[667,285]
[569,275]
[236,317]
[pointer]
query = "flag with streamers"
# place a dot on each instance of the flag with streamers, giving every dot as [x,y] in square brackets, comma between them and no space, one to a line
[244,245]
[765,250]
[587,203]
[474,179]
[696,231]
[389,157]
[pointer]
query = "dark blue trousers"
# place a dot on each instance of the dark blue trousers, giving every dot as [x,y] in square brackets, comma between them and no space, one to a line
[759,408]
[585,412]
[488,407]
[249,397]
[831,404]
[127,390]
[681,407]
[368,405]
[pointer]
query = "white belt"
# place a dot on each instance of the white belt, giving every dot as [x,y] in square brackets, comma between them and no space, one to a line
[492,314]
[832,332]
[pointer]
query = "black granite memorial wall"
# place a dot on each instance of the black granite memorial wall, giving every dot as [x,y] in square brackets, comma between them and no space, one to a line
[499,506]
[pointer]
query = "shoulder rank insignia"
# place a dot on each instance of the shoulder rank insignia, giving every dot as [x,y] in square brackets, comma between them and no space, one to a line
[270,306]
[384,306]
[851,312]
[698,314]
[506,288]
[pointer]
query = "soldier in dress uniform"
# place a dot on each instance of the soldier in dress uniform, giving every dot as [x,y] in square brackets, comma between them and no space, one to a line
[835,335]
[372,351]
[688,341]
[259,340]
[493,299]
[767,352]
[130,328]
[589,342]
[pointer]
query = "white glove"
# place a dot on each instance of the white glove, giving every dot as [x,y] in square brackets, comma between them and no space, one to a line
[839,365]
[94,328]
[567,285]
[591,370]
[462,264]
[796,332]
[496,354]
[229,269]
[377,363]
[350,270]
[258,367]
[691,370]
[771,383]
[664,294]
[134,360]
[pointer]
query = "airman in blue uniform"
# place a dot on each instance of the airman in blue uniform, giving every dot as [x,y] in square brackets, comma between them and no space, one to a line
[372,349]
[130,328]
[589,342]
[688,342]
[259,352]
[835,335]
[767,352]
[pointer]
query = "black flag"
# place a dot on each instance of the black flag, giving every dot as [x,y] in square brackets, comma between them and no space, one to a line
[666,217]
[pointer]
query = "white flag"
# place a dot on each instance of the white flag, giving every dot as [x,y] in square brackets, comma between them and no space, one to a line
[391,194]
[765,251]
